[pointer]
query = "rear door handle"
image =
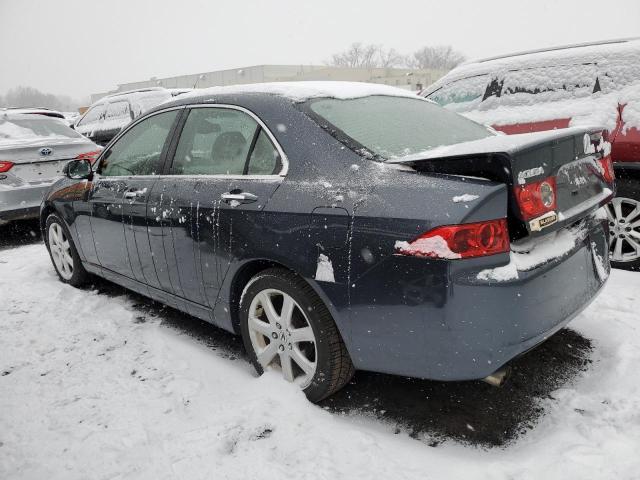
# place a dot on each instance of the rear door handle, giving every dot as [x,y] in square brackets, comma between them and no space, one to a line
[240,197]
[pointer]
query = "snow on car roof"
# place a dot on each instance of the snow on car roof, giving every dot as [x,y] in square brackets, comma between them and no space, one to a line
[597,52]
[304,90]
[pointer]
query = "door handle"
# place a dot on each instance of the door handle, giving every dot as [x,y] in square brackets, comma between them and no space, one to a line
[240,197]
[131,194]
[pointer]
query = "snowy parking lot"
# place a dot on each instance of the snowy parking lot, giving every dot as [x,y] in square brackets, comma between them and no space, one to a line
[101,383]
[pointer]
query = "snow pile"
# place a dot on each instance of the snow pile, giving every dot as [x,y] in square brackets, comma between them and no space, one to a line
[529,254]
[324,270]
[435,246]
[302,91]
[92,387]
[465,198]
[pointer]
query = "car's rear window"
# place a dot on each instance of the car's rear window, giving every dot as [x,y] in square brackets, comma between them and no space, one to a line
[390,127]
[32,127]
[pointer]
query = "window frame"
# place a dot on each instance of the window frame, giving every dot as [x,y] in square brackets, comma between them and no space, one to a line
[165,148]
[261,127]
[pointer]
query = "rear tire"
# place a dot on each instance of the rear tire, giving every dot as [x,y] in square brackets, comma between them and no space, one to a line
[624,225]
[286,327]
[63,253]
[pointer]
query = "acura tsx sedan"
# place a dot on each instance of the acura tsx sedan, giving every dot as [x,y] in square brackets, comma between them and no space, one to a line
[340,226]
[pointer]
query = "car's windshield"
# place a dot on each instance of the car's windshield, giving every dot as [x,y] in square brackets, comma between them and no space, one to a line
[391,127]
[14,128]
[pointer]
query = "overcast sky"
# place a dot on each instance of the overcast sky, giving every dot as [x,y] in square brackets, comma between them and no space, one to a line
[78,47]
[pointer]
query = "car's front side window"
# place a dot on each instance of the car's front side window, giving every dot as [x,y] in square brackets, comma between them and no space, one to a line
[217,141]
[139,150]
[92,116]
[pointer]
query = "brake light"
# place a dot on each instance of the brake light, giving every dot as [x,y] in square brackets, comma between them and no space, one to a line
[5,166]
[460,241]
[91,156]
[607,169]
[536,198]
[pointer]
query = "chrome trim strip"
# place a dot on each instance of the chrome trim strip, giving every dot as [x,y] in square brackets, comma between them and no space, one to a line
[283,157]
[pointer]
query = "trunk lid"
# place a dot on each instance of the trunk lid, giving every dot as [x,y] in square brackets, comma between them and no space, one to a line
[42,159]
[571,158]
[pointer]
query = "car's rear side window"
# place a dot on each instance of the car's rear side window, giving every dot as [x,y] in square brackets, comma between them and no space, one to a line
[118,111]
[139,150]
[391,127]
[223,141]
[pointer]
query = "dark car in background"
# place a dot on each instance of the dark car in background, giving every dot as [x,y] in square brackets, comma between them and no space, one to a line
[33,152]
[105,118]
[341,226]
[589,84]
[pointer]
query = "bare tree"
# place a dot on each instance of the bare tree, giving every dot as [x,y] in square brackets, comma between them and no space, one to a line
[367,56]
[441,57]
[358,55]
[31,97]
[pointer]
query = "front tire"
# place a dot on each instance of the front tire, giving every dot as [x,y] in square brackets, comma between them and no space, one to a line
[624,225]
[286,327]
[63,253]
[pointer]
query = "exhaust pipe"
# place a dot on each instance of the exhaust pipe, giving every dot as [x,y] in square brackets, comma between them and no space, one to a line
[498,378]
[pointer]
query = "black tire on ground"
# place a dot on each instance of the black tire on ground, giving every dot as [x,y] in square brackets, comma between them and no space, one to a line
[628,188]
[334,367]
[79,275]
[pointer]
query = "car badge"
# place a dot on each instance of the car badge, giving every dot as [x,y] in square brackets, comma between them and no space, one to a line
[45,152]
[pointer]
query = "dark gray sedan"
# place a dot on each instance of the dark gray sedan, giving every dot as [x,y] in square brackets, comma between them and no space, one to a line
[343,226]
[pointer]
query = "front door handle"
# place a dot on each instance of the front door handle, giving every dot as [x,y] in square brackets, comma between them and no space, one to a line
[240,197]
[131,194]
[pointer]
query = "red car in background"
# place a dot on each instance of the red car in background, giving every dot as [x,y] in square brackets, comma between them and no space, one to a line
[596,84]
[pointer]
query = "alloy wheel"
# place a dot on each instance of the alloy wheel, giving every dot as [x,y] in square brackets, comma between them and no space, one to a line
[282,337]
[624,228]
[60,251]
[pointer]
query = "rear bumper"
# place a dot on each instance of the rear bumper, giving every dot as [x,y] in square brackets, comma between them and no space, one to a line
[21,202]
[438,320]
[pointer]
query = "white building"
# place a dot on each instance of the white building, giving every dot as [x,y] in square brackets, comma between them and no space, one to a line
[411,79]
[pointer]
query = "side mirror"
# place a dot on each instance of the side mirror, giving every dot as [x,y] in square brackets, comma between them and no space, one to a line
[78,169]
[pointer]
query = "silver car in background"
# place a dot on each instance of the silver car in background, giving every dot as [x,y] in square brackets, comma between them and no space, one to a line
[33,151]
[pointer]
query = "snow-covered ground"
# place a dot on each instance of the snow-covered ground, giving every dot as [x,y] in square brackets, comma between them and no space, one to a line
[92,387]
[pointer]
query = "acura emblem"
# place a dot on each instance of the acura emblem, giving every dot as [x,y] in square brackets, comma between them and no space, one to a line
[45,152]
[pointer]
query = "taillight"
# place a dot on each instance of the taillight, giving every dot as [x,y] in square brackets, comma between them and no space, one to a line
[607,169]
[5,166]
[460,241]
[536,198]
[91,156]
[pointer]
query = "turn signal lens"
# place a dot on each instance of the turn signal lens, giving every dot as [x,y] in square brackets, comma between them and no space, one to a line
[5,166]
[607,169]
[460,241]
[536,198]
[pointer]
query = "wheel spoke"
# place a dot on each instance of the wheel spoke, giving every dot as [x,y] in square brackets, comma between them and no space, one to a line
[635,245]
[617,207]
[268,308]
[288,306]
[610,214]
[635,224]
[304,334]
[617,251]
[259,326]
[265,357]
[635,212]
[287,367]
[303,362]
[634,234]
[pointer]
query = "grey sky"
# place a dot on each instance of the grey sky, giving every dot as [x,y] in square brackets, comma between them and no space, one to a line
[76,47]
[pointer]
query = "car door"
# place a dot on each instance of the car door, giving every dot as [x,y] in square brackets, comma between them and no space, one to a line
[124,180]
[224,169]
